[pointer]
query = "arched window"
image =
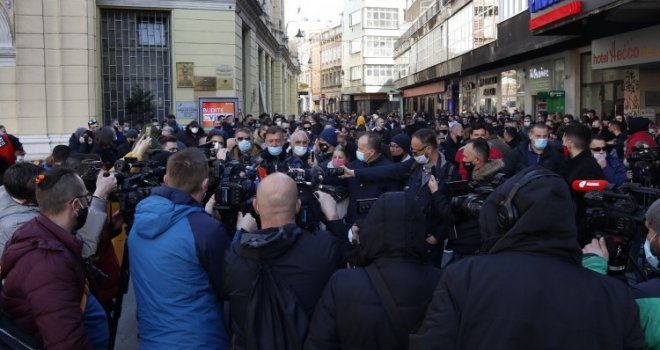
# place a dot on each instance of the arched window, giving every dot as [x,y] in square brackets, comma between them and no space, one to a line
[7,50]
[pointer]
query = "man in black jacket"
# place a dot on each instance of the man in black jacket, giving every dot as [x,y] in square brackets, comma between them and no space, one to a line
[582,166]
[530,291]
[392,242]
[535,151]
[302,260]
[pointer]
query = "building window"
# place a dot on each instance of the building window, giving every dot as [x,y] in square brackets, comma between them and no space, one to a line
[510,8]
[151,32]
[378,46]
[356,73]
[459,32]
[381,18]
[356,45]
[378,74]
[355,18]
[135,53]
[485,22]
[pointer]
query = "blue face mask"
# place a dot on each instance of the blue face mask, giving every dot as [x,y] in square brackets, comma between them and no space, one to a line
[540,143]
[244,145]
[650,258]
[275,151]
[360,156]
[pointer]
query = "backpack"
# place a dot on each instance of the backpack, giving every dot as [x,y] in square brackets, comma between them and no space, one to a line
[275,317]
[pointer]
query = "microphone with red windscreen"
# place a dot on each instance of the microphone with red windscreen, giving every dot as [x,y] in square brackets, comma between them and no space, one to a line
[589,185]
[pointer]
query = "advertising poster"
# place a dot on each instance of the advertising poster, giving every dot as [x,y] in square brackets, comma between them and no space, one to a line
[215,108]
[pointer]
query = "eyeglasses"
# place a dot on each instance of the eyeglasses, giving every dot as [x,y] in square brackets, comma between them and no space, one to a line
[599,149]
[87,196]
[243,138]
[415,152]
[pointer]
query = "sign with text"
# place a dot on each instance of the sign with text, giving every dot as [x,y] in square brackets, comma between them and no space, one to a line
[216,108]
[636,47]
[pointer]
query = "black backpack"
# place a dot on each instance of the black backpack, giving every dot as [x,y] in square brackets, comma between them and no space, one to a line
[275,317]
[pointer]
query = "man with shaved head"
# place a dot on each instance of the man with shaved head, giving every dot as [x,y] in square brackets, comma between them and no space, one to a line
[300,261]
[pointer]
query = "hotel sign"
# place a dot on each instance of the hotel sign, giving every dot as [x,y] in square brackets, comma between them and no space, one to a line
[636,47]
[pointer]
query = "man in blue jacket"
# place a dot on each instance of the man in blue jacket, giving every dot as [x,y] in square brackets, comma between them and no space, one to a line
[614,170]
[176,252]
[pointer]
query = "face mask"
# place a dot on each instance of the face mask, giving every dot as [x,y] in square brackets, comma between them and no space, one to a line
[194,130]
[398,158]
[360,156]
[300,150]
[244,145]
[540,143]
[324,148]
[81,218]
[527,124]
[20,159]
[275,150]
[278,123]
[650,258]
[469,166]
[599,156]
[423,159]
[338,163]
[567,153]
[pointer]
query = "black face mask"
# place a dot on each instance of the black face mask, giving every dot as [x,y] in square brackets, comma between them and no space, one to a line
[398,158]
[81,218]
[469,166]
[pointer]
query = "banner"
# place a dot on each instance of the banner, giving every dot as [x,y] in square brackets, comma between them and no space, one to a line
[212,109]
[632,48]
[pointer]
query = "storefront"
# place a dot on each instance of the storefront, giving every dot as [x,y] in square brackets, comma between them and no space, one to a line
[620,74]
[428,98]
[512,87]
[545,82]
[488,95]
[468,95]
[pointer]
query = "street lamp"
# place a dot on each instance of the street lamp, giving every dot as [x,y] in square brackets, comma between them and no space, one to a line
[286,31]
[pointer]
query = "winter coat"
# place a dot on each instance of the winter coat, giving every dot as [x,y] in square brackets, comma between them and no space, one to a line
[304,262]
[175,252]
[351,314]
[530,291]
[583,167]
[518,159]
[244,158]
[360,189]
[12,216]
[615,171]
[494,154]
[647,296]
[44,283]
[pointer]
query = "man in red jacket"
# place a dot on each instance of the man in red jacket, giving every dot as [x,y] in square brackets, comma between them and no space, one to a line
[477,130]
[44,290]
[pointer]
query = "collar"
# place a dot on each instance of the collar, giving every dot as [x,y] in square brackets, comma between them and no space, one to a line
[67,238]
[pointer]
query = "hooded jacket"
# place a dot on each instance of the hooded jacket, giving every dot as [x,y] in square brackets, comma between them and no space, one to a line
[175,252]
[530,291]
[44,282]
[304,262]
[350,314]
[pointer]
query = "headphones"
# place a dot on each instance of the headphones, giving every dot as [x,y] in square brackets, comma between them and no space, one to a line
[507,213]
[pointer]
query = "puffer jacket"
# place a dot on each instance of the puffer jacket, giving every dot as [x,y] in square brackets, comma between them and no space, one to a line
[176,252]
[44,283]
[350,309]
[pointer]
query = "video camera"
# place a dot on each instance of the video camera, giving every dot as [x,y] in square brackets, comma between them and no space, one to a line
[236,190]
[618,215]
[467,198]
[644,163]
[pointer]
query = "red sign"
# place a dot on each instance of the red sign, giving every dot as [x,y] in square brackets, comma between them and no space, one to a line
[564,11]
[215,110]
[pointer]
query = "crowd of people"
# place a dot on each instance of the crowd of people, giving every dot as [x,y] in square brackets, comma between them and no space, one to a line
[389,254]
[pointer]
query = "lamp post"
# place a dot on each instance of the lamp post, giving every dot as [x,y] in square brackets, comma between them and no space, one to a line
[286,31]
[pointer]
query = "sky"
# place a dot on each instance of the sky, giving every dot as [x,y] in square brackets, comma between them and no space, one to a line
[312,15]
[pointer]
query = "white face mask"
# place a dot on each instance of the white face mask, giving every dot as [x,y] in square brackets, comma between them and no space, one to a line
[650,258]
[423,159]
[194,130]
[299,150]
[599,156]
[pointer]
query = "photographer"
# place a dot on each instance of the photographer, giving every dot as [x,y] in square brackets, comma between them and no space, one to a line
[298,260]
[176,260]
[647,294]
[463,227]
[529,290]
